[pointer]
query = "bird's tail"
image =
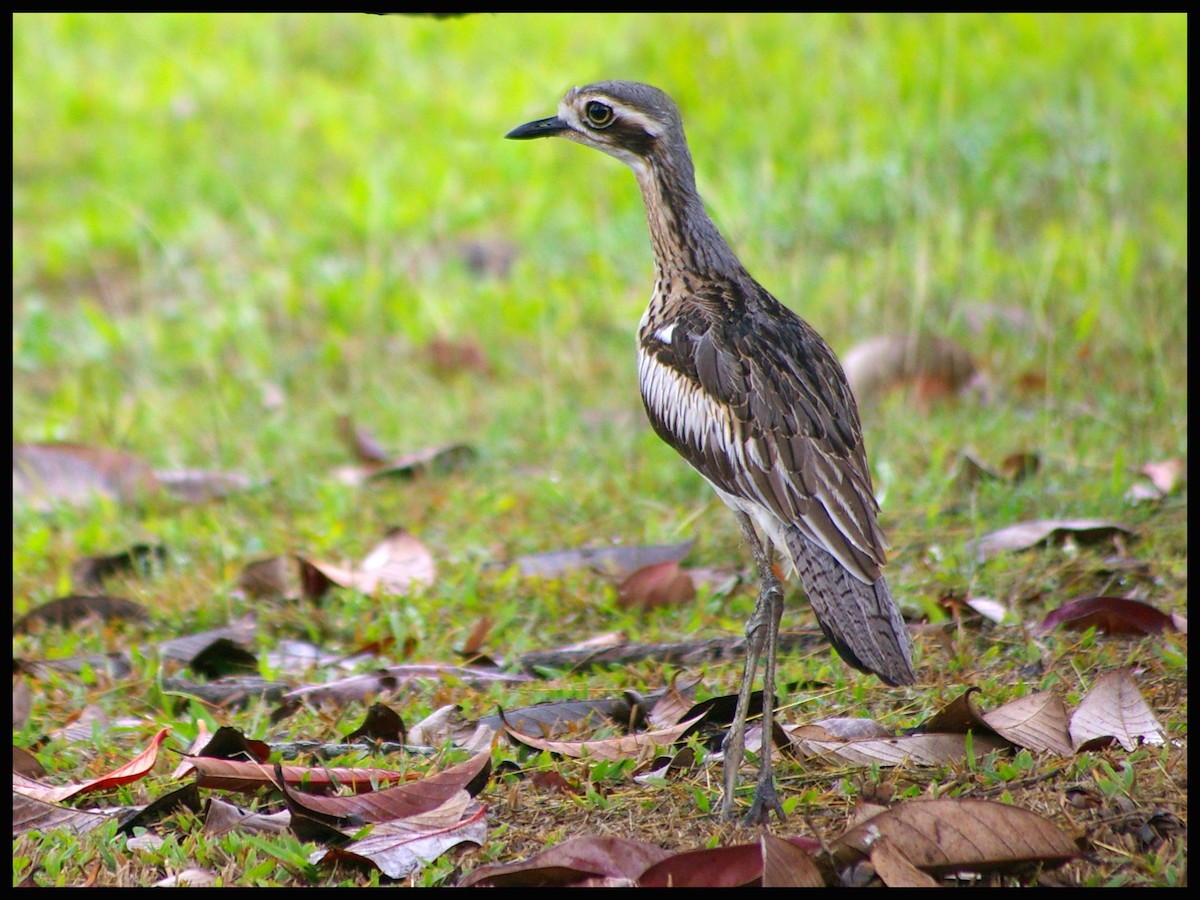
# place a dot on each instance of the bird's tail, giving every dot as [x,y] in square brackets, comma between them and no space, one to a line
[861,620]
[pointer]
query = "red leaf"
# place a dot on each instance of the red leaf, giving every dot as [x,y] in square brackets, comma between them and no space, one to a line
[1111,615]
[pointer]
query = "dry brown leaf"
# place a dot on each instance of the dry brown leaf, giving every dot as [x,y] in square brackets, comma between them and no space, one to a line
[66,611]
[895,869]
[202,485]
[223,816]
[233,775]
[631,746]
[676,700]
[1037,722]
[785,864]
[1115,708]
[134,770]
[661,584]
[399,564]
[1109,615]
[30,814]
[1025,535]
[1166,475]
[49,475]
[617,561]
[728,866]
[946,835]
[907,750]
[570,862]
[934,367]
[401,848]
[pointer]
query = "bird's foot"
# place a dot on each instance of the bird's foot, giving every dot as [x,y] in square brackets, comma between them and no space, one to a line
[766,800]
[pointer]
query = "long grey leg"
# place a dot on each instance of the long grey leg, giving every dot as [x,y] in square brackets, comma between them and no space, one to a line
[762,629]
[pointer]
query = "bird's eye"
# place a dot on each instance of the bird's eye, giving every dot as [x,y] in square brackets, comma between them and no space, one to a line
[598,114]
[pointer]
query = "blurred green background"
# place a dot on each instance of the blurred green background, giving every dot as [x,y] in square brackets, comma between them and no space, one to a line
[230,229]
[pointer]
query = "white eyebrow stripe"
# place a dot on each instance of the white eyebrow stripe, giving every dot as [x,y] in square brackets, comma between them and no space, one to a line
[626,113]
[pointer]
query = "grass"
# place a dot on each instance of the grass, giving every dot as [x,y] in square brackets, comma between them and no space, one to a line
[228,230]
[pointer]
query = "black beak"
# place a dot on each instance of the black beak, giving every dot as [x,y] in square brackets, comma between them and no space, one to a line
[541,128]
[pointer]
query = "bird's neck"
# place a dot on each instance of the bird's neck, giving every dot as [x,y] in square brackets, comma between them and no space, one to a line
[684,238]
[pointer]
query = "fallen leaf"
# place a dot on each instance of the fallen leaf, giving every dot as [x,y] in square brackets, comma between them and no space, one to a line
[134,770]
[66,611]
[933,367]
[32,814]
[1115,708]
[189,877]
[895,869]
[49,475]
[654,586]
[202,485]
[405,801]
[451,356]
[381,723]
[786,862]
[617,561]
[629,746]
[728,866]
[401,848]
[1109,615]
[223,817]
[1166,475]
[1025,535]
[946,835]
[88,574]
[397,565]
[905,750]
[235,775]
[569,862]
[1036,722]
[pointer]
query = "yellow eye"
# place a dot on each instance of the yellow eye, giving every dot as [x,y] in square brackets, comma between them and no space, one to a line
[598,114]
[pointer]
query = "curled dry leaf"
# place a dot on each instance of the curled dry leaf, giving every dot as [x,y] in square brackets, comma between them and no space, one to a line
[134,770]
[234,775]
[397,565]
[403,847]
[1162,479]
[1115,708]
[946,835]
[1037,722]
[1025,535]
[808,741]
[631,746]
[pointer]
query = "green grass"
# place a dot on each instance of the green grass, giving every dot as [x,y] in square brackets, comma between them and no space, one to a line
[211,211]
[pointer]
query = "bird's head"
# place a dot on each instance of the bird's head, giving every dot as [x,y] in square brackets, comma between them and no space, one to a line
[633,122]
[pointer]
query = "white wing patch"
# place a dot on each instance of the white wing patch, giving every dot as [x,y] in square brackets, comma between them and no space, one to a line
[684,408]
[664,334]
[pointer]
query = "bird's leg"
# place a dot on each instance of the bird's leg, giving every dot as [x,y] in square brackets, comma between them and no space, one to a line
[762,629]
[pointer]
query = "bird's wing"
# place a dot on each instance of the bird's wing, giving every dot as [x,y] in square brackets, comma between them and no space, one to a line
[756,401]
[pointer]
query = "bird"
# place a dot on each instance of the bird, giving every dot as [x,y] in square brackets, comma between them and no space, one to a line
[750,395]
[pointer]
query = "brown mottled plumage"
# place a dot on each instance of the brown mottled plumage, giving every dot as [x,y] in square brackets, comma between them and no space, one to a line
[755,400]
